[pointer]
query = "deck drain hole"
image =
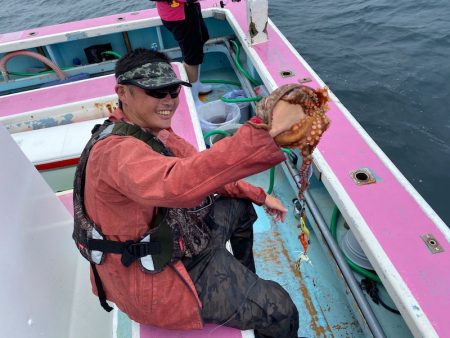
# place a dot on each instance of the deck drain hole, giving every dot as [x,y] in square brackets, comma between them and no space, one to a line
[286,73]
[32,33]
[363,176]
[120,18]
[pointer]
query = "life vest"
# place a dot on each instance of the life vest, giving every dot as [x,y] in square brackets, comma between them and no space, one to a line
[174,232]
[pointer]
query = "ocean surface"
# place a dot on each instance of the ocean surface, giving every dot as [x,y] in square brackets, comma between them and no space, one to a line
[387,61]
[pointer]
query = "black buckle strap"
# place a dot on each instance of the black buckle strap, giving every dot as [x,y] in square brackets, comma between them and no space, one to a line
[130,250]
[100,290]
[133,251]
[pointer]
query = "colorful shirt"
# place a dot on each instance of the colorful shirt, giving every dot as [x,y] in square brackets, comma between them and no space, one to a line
[168,13]
[126,181]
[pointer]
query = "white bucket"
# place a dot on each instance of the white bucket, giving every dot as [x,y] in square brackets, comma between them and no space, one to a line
[215,114]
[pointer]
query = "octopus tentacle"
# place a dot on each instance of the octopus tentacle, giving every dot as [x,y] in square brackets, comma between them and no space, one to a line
[307,133]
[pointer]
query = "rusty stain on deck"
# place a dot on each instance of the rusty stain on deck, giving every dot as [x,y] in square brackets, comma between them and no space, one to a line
[273,256]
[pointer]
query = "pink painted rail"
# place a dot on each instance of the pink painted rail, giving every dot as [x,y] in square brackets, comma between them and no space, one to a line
[210,330]
[67,28]
[184,120]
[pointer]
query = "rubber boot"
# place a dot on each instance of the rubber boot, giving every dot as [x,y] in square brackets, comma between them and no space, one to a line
[202,88]
[195,92]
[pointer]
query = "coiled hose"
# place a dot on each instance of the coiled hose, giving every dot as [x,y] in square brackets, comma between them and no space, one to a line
[355,267]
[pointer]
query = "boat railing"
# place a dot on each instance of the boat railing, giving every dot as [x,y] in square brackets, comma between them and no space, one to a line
[60,115]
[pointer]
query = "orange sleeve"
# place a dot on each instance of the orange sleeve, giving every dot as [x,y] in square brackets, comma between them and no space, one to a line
[243,189]
[132,168]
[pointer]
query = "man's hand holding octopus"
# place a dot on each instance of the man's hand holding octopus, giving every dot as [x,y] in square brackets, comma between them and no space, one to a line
[294,115]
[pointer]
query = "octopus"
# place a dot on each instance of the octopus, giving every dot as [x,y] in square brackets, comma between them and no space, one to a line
[305,134]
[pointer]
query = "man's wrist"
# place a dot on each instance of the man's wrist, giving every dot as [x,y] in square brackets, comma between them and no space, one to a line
[274,132]
[258,123]
[262,195]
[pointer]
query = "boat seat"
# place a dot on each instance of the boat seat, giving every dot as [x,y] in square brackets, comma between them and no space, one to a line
[49,148]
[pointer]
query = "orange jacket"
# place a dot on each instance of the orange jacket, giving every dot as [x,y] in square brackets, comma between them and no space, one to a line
[126,180]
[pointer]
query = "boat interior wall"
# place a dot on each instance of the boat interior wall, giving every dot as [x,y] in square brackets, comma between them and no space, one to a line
[38,231]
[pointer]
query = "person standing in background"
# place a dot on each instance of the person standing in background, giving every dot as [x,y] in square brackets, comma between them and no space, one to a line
[183,18]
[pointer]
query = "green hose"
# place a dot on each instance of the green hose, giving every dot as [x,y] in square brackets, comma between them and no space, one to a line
[287,151]
[216,132]
[271,180]
[272,172]
[37,73]
[235,100]
[237,84]
[364,272]
[241,99]
[117,55]
[238,65]
[247,99]
[110,52]
[245,73]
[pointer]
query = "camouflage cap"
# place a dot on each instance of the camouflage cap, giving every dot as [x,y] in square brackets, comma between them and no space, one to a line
[153,75]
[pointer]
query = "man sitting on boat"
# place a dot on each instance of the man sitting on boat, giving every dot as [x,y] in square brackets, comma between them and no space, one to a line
[152,214]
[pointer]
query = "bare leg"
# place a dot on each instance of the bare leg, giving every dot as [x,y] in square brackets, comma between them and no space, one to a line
[192,72]
[193,75]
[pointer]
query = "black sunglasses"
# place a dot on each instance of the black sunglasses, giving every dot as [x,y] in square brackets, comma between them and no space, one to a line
[162,93]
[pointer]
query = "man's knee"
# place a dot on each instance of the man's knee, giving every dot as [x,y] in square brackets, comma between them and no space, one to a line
[282,314]
[242,209]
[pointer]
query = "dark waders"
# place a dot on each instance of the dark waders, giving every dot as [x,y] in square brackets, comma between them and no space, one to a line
[231,293]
